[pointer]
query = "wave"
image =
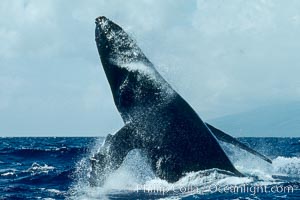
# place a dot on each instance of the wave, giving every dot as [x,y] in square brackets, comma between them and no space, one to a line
[24,152]
[38,174]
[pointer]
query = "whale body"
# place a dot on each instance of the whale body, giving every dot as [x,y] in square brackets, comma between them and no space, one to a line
[156,118]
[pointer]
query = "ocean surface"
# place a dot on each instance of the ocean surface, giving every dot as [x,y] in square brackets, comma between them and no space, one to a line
[58,168]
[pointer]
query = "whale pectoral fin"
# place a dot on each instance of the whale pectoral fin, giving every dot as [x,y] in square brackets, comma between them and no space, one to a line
[111,154]
[120,144]
[220,135]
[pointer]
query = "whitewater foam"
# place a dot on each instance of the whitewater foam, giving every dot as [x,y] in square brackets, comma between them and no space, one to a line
[287,166]
[135,175]
[37,168]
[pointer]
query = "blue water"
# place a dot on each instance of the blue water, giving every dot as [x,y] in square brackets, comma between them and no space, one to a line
[58,168]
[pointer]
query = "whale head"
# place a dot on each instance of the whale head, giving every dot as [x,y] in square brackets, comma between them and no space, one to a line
[132,77]
[115,46]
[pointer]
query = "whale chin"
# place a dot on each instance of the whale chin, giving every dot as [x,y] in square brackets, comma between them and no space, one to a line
[157,119]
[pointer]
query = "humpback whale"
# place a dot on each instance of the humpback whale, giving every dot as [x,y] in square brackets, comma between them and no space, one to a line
[156,118]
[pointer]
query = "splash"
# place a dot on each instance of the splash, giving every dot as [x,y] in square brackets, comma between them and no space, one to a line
[135,175]
[141,68]
[288,167]
[135,178]
[145,72]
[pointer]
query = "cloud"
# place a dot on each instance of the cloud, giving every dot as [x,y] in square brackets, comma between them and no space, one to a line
[223,57]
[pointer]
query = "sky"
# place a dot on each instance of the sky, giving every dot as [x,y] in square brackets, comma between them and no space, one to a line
[223,57]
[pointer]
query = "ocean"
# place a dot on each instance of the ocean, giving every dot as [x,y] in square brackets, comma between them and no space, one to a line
[58,168]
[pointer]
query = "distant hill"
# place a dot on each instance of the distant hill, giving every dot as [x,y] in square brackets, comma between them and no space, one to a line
[281,120]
